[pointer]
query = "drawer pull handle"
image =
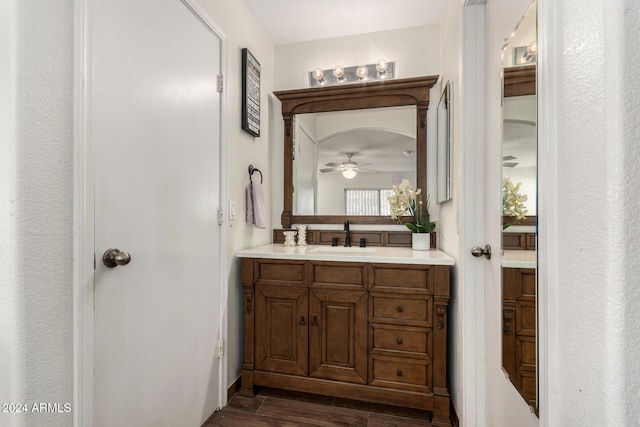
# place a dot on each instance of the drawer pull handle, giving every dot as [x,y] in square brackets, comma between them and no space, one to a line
[399,373]
[302,321]
[314,321]
[400,309]
[399,341]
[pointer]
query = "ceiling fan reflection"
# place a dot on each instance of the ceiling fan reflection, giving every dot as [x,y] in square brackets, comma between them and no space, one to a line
[349,168]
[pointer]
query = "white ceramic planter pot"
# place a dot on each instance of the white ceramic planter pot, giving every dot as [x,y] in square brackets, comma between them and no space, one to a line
[420,241]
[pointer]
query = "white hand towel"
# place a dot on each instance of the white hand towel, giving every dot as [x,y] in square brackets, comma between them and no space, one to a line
[255,205]
[250,219]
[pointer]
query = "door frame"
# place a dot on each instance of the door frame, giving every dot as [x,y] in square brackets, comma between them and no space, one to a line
[84,258]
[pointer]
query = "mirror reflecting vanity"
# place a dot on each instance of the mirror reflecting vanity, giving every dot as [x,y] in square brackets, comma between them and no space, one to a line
[377,130]
[519,171]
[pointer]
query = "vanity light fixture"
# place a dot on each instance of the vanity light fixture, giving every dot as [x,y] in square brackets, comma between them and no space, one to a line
[349,173]
[381,70]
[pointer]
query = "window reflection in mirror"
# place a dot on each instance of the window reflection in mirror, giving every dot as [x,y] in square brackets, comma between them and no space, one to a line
[519,239]
[345,162]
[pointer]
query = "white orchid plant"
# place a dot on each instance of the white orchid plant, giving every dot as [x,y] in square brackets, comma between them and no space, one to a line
[513,202]
[407,200]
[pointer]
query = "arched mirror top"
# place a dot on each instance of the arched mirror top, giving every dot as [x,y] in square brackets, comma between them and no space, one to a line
[358,96]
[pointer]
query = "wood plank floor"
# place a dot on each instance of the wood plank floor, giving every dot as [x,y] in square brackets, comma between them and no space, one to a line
[281,408]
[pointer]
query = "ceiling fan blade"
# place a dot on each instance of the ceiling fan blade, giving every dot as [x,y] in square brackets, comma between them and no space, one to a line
[333,165]
[329,170]
[508,157]
[368,170]
[509,164]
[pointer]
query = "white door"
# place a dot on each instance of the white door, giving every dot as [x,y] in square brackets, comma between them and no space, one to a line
[155,125]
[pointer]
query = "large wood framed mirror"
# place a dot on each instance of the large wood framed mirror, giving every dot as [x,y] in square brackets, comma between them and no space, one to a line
[394,97]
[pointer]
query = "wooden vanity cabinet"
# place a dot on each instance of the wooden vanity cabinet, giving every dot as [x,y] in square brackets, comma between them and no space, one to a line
[366,331]
[519,330]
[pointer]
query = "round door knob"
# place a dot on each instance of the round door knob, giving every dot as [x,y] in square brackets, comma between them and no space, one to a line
[399,373]
[399,309]
[477,251]
[115,257]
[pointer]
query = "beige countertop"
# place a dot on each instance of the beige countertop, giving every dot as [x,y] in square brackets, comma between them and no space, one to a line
[519,259]
[372,254]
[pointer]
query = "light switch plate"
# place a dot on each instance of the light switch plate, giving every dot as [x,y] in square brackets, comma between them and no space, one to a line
[232,210]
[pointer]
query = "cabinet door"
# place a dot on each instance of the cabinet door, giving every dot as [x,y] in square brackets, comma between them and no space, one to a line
[519,329]
[281,329]
[338,334]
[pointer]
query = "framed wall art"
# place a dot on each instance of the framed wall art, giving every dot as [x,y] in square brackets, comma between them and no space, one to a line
[250,93]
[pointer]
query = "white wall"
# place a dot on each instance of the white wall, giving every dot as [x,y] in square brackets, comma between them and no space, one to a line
[243,30]
[448,237]
[36,200]
[589,240]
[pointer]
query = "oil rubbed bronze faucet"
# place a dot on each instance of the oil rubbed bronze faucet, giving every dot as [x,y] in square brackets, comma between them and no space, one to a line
[347,238]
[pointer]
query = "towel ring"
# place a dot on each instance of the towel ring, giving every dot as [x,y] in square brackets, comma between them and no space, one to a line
[252,170]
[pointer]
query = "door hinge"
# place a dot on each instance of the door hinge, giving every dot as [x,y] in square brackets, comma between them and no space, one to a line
[220,82]
[220,216]
[220,349]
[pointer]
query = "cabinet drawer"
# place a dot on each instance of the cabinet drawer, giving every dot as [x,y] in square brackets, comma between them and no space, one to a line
[401,276]
[405,339]
[405,309]
[341,275]
[279,272]
[400,373]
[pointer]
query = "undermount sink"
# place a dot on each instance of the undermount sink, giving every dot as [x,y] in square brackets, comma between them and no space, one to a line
[343,250]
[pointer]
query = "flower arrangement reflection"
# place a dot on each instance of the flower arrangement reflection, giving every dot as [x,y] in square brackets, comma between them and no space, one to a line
[407,200]
[513,202]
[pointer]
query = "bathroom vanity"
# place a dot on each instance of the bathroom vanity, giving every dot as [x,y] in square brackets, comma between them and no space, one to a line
[360,323]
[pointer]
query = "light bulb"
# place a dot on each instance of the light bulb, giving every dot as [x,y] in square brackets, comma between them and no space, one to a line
[338,73]
[362,72]
[318,74]
[532,49]
[349,173]
[382,66]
